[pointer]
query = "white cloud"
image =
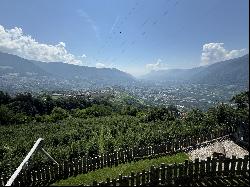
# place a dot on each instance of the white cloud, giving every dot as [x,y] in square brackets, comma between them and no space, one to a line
[215,52]
[100,65]
[14,41]
[83,56]
[157,66]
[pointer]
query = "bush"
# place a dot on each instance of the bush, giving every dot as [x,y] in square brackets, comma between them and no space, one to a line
[98,110]
[78,113]
[6,115]
[58,114]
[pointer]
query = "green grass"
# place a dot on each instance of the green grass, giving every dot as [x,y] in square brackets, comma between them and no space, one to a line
[124,169]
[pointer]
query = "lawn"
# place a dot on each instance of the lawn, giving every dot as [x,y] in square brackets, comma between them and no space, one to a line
[124,169]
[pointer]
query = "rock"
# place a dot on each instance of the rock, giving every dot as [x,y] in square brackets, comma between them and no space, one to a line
[219,150]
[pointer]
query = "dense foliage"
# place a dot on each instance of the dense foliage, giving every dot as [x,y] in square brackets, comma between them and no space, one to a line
[76,126]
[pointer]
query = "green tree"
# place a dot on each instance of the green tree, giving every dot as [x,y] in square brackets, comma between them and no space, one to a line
[241,100]
[195,116]
[242,111]
[6,115]
[25,103]
[58,114]
[4,98]
[129,110]
[98,110]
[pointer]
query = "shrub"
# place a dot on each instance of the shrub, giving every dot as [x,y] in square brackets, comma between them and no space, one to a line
[58,114]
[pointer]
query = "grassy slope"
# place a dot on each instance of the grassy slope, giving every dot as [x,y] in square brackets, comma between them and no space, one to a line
[124,169]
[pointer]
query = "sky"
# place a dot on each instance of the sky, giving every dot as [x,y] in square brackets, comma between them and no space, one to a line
[135,36]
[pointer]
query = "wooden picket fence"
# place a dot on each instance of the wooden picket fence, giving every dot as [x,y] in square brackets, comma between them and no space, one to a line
[184,174]
[48,174]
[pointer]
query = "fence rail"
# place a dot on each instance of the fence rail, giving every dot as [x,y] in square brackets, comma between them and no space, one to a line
[183,174]
[48,174]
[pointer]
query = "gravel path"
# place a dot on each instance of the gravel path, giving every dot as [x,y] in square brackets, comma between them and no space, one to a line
[227,146]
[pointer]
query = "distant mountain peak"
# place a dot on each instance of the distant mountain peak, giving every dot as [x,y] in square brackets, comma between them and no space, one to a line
[233,71]
[17,71]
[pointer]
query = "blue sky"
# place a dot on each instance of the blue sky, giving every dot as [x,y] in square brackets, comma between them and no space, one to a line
[133,36]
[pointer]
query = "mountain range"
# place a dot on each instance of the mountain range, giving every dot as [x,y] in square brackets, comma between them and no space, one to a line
[17,70]
[19,74]
[233,71]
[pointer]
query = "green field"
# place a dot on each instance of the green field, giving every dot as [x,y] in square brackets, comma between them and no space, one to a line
[124,169]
